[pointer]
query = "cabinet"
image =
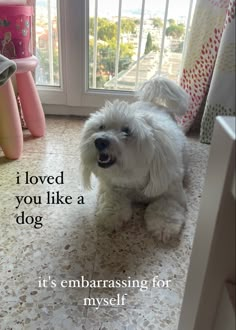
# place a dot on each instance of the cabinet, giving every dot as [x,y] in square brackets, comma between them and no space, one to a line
[212,261]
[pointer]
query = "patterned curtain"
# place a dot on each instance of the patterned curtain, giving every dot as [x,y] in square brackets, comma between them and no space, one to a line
[209,66]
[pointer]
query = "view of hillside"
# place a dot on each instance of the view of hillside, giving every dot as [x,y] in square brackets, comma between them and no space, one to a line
[104,70]
[103,65]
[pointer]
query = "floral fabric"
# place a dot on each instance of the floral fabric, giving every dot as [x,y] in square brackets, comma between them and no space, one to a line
[209,66]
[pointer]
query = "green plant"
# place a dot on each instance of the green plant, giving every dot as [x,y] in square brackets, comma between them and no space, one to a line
[148,46]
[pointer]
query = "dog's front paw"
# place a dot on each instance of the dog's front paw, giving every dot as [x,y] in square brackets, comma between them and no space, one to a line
[112,221]
[164,231]
[165,219]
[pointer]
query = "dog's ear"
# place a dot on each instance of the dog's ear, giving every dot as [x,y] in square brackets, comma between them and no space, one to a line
[162,169]
[85,176]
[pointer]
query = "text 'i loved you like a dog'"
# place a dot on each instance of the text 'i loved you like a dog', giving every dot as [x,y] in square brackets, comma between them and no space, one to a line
[48,197]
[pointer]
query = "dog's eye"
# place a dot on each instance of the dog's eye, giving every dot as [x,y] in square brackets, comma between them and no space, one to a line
[102,127]
[126,130]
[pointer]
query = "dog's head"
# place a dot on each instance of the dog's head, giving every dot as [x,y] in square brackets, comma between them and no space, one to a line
[116,144]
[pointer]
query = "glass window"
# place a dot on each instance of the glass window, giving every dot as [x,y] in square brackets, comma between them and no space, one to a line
[47,43]
[132,40]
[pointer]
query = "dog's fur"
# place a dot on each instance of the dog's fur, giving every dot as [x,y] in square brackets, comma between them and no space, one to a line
[137,152]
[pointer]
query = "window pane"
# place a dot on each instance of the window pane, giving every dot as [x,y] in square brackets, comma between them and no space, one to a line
[47,45]
[126,44]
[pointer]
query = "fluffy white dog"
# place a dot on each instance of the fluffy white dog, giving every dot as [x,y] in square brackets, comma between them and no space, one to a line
[137,152]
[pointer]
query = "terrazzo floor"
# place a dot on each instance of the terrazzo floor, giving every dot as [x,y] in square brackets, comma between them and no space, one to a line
[35,261]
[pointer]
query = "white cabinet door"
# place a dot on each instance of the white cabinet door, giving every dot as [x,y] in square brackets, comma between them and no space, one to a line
[213,256]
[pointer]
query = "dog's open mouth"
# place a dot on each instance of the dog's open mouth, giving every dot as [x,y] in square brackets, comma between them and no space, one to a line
[105,160]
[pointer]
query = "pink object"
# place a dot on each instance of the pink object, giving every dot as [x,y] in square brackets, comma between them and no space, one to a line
[11,137]
[30,102]
[15,31]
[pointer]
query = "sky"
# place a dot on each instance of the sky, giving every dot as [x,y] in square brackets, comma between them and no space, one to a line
[108,8]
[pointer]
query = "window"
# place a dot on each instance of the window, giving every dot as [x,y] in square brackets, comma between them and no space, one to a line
[47,44]
[130,41]
[108,48]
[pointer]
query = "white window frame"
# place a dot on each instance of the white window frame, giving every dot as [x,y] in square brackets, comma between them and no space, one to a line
[73,97]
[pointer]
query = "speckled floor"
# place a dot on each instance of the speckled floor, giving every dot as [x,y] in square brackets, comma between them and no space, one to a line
[69,246]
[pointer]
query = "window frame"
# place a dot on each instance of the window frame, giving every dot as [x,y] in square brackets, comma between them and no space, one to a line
[74,97]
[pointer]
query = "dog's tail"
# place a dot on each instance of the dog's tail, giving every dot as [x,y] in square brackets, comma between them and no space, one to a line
[164,92]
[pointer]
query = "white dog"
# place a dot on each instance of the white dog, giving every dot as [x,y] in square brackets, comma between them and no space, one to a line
[137,152]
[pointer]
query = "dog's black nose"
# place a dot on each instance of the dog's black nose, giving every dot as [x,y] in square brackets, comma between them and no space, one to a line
[101,143]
